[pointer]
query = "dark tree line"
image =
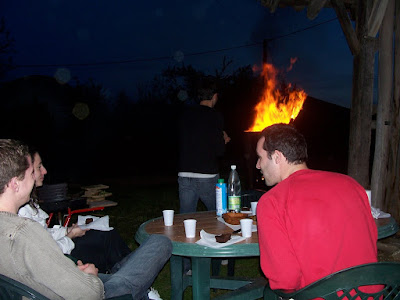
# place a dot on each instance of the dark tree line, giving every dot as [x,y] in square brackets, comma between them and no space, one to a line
[85,132]
[83,124]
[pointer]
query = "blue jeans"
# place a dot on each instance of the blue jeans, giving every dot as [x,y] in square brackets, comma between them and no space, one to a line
[191,189]
[137,271]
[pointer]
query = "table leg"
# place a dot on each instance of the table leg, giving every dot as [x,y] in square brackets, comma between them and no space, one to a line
[201,277]
[176,263]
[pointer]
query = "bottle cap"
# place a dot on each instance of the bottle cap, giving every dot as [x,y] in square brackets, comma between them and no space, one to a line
[233,167]
[221,180]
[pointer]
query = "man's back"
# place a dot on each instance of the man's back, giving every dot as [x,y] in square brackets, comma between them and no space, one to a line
[312,224]
[201,140]
[30,255]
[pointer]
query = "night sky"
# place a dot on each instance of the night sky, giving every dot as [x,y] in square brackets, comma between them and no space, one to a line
[140,39]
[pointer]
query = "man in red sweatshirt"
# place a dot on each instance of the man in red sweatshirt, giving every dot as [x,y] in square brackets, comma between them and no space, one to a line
[312,223]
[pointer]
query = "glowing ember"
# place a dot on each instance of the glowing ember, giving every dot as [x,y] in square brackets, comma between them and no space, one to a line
[278,105]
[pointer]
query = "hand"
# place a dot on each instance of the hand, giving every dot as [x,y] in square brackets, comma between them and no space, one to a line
[87,268]
[75,231]
[227,139]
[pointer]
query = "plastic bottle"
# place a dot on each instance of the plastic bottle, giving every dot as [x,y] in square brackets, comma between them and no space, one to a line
[220,193]
[234,190]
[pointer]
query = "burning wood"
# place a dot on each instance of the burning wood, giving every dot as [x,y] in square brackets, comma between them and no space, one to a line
[278,104]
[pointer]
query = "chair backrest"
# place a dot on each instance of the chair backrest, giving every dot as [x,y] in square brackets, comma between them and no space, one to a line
[14,290]
[52,192]
[53,197]
[349,280]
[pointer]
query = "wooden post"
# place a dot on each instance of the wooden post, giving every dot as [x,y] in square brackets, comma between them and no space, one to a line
[362,97]
[392,192]
[383,122]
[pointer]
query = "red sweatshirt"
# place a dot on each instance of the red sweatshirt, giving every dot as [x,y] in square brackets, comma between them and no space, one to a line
[312,224]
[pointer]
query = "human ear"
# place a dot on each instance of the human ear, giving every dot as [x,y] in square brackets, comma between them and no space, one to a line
[277,156]
[14,184]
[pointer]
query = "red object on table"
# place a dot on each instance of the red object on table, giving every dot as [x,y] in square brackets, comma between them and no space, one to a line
[77,211]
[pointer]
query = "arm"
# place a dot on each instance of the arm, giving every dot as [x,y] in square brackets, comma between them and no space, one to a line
[63,241]
[61,235]
[75,231]
[43,262]
[277,257]
[227,139]
[221,138]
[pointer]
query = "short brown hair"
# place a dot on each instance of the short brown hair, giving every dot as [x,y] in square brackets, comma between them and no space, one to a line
[206,88]
[287,140]
[13,161]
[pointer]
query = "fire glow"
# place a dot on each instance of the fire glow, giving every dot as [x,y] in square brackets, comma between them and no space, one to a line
[277,105]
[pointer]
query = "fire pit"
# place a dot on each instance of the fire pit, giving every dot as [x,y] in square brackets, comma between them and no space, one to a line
[280,103]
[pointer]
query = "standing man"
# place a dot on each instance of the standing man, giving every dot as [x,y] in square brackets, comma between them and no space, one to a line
[312,223]
[201,142]
[31,256]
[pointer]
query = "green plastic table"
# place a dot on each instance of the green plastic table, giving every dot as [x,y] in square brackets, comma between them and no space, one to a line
[200,280]
[386,227]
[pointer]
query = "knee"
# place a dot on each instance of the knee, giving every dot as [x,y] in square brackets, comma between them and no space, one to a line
[162,243]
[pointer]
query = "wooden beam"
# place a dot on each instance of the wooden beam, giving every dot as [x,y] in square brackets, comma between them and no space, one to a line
[383,119]
[346,25]
[298,7]
[362,98]
[274,5]
[392,193]
[361,112]
[314,8]
[376,16]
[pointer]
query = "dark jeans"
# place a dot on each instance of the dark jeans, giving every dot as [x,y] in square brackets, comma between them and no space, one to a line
[137,271]
[193,189]
[101,248]
[190,191]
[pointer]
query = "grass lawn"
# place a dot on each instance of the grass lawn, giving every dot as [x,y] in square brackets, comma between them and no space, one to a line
[139,203]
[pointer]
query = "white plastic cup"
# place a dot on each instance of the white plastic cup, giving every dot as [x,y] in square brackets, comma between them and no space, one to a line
[369,196]
[168,215]
[190,228]
[254,208]
[246,225]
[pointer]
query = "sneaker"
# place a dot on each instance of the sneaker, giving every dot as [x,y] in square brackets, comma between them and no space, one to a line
[153,294]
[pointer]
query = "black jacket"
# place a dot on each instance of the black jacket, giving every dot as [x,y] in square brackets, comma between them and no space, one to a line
[201,140]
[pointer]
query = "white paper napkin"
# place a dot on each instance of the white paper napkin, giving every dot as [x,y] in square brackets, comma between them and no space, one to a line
[236,227]
[377,213]
[208,239]
[101,224]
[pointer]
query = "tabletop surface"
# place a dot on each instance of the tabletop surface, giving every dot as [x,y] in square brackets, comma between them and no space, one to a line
[187,246]
[209,223]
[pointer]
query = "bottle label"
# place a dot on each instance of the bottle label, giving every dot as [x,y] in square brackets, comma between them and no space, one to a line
[220,190]
[234,203]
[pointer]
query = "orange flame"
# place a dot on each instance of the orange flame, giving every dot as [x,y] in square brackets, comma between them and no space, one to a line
[277,106]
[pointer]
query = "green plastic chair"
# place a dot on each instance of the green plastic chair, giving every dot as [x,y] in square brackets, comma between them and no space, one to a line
[11,289]
[14,290]
[383,273]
